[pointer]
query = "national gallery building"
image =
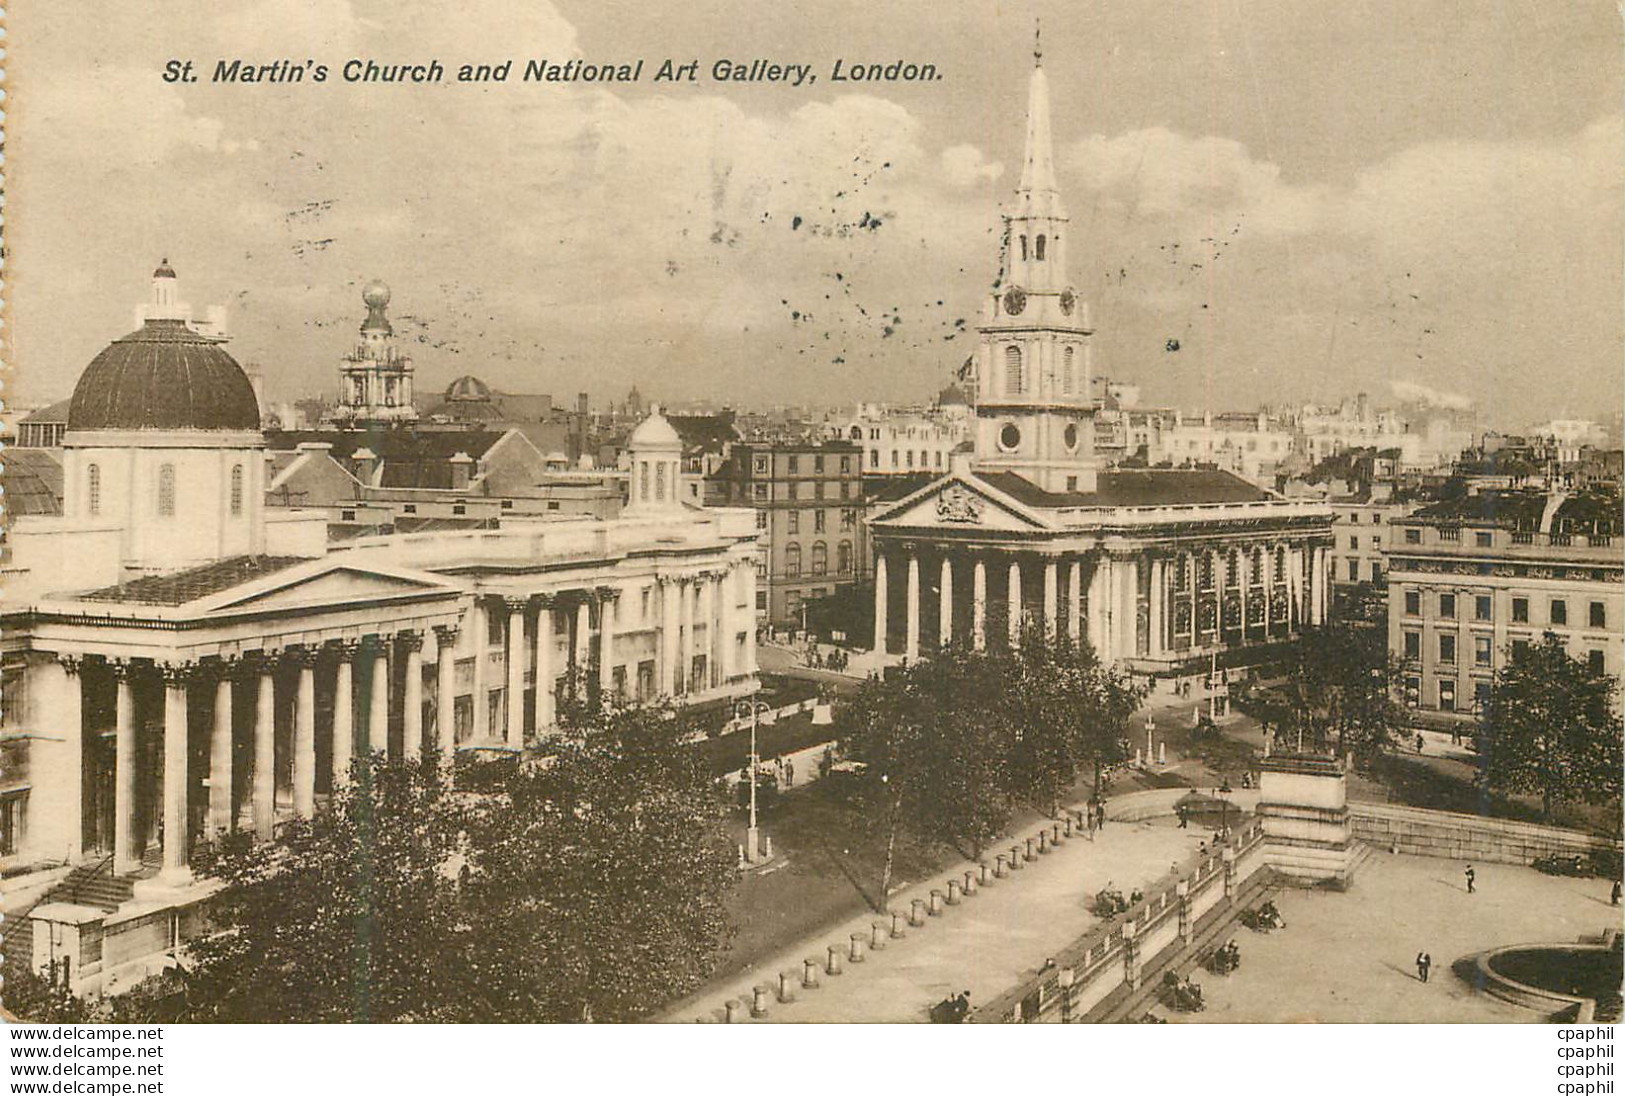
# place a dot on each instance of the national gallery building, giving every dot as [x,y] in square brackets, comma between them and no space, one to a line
[179,659]
[1159,569]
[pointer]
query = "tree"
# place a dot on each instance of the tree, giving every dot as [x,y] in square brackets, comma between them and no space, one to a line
[1340,682]
[1550,729]
[589,884]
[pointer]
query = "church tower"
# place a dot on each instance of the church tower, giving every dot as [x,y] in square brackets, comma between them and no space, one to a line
[1034,414]
[375,378]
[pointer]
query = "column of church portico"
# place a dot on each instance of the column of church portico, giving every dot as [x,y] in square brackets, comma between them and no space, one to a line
[1099,608]
[479,631]
[1052,593]
[176,679]
[375,729]
[945,606]
[1318,579]
[514,660]
[911,649]
[265,748]
[685,635]
[606,645]
[583,638]
[1014,598]
[125,857]
[1243,572]
[219,755]
[412,696]
[304,735]
[722,632]
[445,700]
[544,665]
[1127,608]
[880,603]
[344,713]
[1074,601]
[1158,608]
[978,607]
[668,636]
[1269,581]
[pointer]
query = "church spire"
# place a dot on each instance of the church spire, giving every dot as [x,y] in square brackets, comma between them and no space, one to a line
[1038,165]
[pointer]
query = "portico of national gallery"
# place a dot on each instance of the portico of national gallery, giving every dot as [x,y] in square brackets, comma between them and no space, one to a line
[1158,568]
[178,661]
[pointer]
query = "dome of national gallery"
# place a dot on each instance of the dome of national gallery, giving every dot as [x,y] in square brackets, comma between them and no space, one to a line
[468,388]
[166,376]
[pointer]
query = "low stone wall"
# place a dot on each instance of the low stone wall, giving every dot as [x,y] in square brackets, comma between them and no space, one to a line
[1418,832]
[1113,954]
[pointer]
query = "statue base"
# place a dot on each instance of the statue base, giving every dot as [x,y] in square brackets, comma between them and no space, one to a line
[1303,804]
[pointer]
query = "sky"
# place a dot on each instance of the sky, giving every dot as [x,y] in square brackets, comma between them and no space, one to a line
[1310,199]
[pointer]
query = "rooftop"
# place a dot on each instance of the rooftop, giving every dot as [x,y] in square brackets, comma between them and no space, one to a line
[193,583]
[1135,487]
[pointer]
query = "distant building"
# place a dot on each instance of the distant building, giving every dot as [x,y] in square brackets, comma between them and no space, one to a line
[43,429]
[808,499]
[1472,578]
[1248,444]
[375,377]
[902,442]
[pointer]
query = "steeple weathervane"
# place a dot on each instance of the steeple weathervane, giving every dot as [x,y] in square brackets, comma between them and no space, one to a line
[1038,43]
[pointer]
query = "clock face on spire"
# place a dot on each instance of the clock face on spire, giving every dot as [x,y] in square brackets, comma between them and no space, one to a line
[1068,302]
[1015,300]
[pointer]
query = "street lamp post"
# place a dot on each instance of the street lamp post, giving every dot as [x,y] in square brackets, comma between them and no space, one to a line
[752,834]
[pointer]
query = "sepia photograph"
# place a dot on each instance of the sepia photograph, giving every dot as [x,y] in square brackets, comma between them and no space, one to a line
[987,513]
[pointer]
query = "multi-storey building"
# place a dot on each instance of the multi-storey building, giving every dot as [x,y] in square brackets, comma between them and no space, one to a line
[1471,579]
[1250,445]
[1158,568]
[902,442]
[808,499]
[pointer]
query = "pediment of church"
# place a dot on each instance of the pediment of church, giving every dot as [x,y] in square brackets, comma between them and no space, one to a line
[331,585]
[960,503]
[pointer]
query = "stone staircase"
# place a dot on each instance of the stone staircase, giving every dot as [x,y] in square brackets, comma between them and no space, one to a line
[90,884]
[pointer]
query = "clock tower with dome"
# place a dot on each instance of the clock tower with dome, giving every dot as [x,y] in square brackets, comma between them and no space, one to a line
[375,378]
[1034,412]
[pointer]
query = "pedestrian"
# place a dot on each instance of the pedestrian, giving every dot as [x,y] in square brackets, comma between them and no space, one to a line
[1090,813]
[826,762]
[1184,819]
[1471,875]
[1420,741]
[789,773]
[1613,894]
[1423,962]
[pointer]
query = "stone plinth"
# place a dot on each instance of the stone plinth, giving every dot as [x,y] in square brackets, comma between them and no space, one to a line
[1304,807]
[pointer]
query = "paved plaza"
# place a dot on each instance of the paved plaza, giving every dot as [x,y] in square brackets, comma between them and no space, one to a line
[986,944]
[1351,957]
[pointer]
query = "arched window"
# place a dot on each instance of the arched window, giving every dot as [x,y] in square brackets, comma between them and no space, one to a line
[1024,249]
[1280,564]
[236,490]
[660,482]
[166,491]
[1232,569]
[1012,371]
[857,433]
[93,490]
[820,559]
[792,561]
[1069,375]
[843,558]
[1258,566]
[1038,249]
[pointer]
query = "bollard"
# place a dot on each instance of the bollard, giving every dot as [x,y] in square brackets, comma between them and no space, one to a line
[734,1009]
[896,924]
[983,874]
[970,880]
[758,1002]
[999,868]
[854,950]
[1015,858]
[1055,834]
[787,986]
[1066,826]
[767,847]
[809,974]
[935,906]
[1031,853]
[916,912]
[1043,842]
[833,966]
[877,936]
[953,892]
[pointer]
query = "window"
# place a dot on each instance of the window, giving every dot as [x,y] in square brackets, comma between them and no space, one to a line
[1447,606]
[1481,695]
[1447,648]
[1481,650]
[346,515]
[1376,571]
[1012,371]
[1483,608]
[1072,483]
[507,504]
[1376,519]
[818,463]
[818,521]
[1413,536]
[894,458]
[1413,603]
[1376,542]
[795,464]
[1024,249]
[1413,644]
[1599,615]
[166,491]
[1560,611]
[1520,610]
[1413,691]
[761,519]
[761,601]
[843,558]
[846,467]
[1447,695]
[1038,249]
[1354,570]
[459,508]
[1069,375]
[1354,544]
[1483,540]
[759,491]
[849,520]
[818,489]
[792,561]
[908,457]
[13,810]
[1594,660]
[820,559]
[1520,647]
[93,490]
[874,458]
[761,466]
[494,624]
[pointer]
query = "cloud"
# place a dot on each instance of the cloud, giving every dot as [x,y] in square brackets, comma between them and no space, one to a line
[116,119]
[964,166]
[1414,392]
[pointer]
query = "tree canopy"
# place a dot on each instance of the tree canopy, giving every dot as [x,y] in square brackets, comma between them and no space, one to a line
[1550,729]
